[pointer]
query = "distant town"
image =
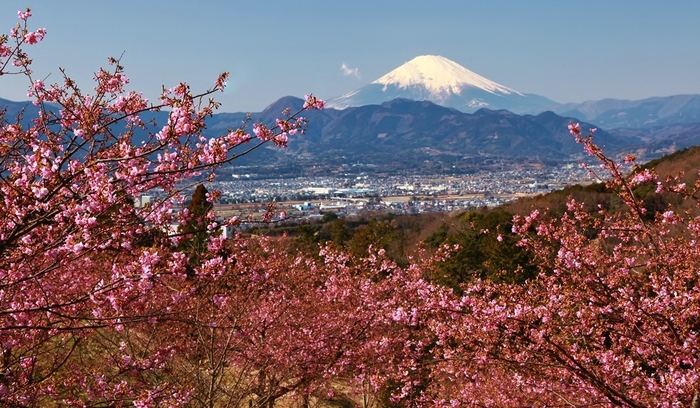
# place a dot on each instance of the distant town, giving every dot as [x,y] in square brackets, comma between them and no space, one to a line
[306,198]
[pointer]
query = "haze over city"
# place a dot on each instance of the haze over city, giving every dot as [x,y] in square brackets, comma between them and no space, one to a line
[568,52]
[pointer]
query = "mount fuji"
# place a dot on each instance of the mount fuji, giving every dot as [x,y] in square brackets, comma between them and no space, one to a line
[444,82]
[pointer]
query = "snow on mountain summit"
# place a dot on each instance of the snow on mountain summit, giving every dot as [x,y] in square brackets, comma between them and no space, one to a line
[439,75]
[444,82]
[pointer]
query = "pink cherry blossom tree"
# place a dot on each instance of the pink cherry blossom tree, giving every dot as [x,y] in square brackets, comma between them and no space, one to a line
[612,319]
[80,265]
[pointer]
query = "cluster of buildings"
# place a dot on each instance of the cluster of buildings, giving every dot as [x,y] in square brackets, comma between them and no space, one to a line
[528,181]
[401,194]
[308,198]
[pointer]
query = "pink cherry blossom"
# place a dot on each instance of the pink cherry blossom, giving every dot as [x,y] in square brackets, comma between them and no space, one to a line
[312,102]
[34,37]
[642,177]
[24,15]
[575,129]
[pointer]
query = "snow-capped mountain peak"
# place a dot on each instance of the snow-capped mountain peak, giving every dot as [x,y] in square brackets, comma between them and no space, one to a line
[439,75]
[444,82]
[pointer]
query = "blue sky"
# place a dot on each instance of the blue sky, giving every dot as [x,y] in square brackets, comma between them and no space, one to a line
[565,50]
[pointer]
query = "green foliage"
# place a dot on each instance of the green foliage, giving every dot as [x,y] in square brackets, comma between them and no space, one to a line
[653,202]
[195,229]
[481,255]
[378,234]
[336,231]
[397,235]
[329,216]
[197,209]
[438,237]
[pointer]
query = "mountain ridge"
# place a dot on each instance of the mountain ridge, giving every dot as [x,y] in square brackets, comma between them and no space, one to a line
[402,133]
[642,113]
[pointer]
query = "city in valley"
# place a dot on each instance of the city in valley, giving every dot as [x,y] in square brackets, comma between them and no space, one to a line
[307,198]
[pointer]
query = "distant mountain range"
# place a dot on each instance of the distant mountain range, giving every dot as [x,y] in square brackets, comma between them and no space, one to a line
[645,113]
[14,109]
[405,132]
[433,110]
